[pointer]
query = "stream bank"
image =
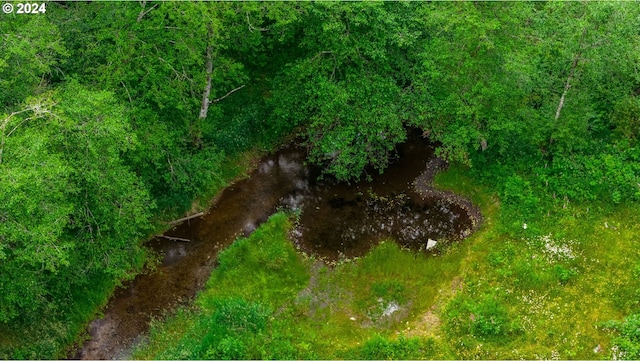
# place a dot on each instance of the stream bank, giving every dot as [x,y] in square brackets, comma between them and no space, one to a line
[337,220]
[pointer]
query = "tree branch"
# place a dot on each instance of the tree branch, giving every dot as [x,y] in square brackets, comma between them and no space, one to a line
[251,27]
[568,83]
[209,70]
[322,53]
[229,93]
[175,238]
[129,94]
[186,218]
[178,76]
[335,61]
[36,108]
[5,121]
[143,12]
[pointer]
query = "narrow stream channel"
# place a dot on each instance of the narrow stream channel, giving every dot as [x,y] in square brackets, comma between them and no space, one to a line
[337,220]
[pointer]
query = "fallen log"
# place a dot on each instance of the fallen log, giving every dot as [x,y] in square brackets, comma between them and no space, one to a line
[186,218]
[175,238]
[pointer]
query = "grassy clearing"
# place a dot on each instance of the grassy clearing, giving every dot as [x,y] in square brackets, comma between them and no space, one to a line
[359,308]
[546,291]
[545,296]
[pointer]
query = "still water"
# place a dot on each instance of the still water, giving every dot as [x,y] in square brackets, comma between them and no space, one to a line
[336,220]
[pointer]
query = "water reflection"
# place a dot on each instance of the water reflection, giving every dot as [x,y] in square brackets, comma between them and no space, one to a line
[335,219]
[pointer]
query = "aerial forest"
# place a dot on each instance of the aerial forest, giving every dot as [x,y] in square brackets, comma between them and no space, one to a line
[117,118]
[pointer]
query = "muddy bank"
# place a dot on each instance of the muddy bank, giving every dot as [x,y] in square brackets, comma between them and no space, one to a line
[423,185]
[186,266]
[336,220]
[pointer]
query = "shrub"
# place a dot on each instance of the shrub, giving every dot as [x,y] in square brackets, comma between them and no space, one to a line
[233,320]
[490,319]
[628,341]
[563,274]
[517,192]
[278,348]
[486,318]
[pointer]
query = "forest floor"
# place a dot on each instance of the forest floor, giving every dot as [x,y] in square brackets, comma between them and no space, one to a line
[541,293]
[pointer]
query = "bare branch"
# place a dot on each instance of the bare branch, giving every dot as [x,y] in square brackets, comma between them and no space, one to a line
[322,53]
[143,12]
[3,126]
[5,121]
[252,28]
[129,94]
[36,109]
[175,238]
[209,70]
[568,83]
[229,93]
[178,76]
[571,73]
[335,60]
[200,214]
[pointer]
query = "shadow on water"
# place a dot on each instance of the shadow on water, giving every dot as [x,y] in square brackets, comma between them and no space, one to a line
[337,220]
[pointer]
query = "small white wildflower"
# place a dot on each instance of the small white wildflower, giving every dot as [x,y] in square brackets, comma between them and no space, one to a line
[524,226]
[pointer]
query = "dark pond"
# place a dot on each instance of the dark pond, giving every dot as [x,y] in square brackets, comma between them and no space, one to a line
[337,220]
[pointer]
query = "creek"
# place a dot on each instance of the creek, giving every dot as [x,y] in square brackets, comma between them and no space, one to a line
[336,220]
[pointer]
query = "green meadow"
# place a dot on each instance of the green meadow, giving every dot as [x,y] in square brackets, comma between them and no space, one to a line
[548,291]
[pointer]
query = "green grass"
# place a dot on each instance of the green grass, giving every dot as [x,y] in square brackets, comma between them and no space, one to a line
[546,288]
[542,292]
[314,310]
[256,276]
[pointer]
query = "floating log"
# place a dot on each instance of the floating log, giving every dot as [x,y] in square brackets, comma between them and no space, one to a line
[186,218]
[175,238]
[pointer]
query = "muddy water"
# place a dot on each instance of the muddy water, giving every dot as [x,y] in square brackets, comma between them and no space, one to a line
[336,220]
[346,220]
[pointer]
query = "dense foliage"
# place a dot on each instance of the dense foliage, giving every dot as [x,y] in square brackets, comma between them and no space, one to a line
[115,116]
